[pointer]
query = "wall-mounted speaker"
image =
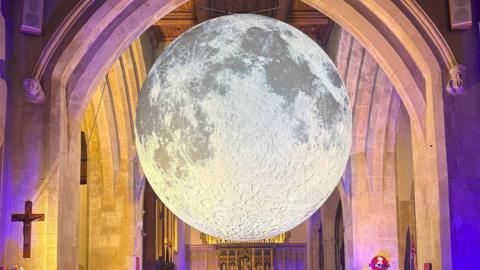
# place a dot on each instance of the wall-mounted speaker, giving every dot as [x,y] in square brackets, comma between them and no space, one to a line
[460,14]
[32,19]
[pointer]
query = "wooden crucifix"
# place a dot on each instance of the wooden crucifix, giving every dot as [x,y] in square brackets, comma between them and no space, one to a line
[27,218]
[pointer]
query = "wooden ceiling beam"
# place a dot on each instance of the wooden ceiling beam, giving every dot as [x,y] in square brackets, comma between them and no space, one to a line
[283,9]
[294,12]
[201,12]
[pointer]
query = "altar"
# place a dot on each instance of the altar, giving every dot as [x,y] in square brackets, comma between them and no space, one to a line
[268,254]
[245,258]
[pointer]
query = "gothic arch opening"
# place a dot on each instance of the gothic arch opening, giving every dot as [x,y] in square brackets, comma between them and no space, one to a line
[330,229]
[88,57]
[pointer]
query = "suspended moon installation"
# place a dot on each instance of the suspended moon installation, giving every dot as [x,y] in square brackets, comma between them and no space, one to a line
[243,127]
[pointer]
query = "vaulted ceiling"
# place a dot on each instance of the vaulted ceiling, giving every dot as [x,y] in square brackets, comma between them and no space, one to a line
[307,19]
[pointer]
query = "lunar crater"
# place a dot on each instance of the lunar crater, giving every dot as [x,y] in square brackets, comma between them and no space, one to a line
[243,127]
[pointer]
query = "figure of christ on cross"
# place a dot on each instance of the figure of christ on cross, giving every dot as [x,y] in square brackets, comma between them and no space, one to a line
[27,218]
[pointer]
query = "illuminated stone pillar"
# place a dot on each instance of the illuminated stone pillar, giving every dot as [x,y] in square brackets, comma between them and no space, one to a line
[313,241]
[371,228]
[180,256]
[3,99]
[368,188]
[3,92]
[432,211]
[309,244]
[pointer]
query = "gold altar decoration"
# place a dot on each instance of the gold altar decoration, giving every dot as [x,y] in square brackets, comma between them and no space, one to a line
[279,239]
[245,258]
[245,255]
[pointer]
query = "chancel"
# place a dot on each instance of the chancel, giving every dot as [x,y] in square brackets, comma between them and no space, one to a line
[239,135]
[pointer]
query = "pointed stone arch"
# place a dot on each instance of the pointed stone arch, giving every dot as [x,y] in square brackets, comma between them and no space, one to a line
[402,40]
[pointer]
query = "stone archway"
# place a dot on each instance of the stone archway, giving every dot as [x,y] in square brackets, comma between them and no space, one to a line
[392,39]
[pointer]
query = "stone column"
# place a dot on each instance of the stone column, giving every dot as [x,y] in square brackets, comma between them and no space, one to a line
[180,257]
[313,241]
[431,206]
[310,244]
[374,228]
[3,93]
[373,210]
[368,188]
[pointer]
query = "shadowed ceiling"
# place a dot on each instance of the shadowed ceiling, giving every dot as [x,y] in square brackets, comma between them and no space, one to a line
[310,21]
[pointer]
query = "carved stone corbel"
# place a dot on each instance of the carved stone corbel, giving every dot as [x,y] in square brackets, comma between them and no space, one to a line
[455,83]
[33,90]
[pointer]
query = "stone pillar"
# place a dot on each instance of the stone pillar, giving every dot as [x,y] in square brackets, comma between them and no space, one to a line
[180,256]
[3,92]
[374,222]
[431,206]
[368,188]
[313,241]
[69,201]
[310,244]
[373,210]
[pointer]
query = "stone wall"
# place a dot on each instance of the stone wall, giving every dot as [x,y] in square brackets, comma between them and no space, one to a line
[462,130]
[462,118]
[32,154]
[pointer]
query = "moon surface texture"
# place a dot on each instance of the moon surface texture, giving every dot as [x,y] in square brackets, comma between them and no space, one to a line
[243,127]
